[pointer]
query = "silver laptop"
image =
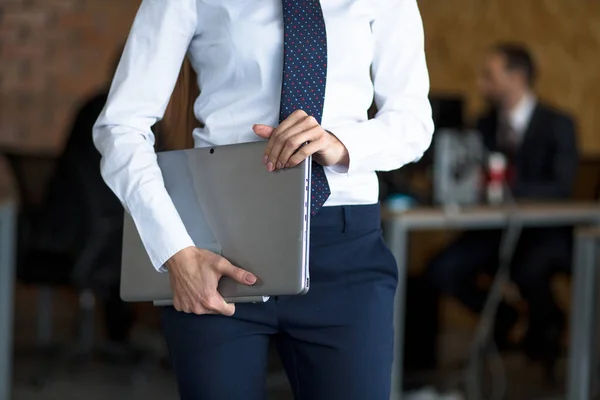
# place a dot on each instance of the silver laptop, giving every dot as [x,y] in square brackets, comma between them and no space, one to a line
[230,205]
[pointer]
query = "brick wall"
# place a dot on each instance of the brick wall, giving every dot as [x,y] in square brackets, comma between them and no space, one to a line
[53,53]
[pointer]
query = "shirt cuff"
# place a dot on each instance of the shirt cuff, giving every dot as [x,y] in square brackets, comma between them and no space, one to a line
[159,226]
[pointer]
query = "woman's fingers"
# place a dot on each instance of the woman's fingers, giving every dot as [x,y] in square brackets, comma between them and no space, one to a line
[284,143]
[264,131]
[300,147]
[271,133]
[295,139]
[303,153]
[292,120]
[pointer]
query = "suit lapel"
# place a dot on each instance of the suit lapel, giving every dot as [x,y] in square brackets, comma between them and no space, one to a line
[488,127]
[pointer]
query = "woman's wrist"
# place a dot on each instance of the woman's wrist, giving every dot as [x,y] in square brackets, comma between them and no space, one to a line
[343,159]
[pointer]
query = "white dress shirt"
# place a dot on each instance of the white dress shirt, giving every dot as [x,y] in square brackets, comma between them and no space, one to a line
[375,48]
[520,115]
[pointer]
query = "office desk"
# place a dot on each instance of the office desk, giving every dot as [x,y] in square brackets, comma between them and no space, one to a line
[398,225]
[8,212]
[583,347]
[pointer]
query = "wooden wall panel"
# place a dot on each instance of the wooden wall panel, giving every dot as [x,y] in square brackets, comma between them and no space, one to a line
[564,36]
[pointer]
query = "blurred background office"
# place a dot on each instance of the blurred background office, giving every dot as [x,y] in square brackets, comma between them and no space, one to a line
[510,76]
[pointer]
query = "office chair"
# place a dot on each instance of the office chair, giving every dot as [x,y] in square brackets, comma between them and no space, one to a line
[50,264]
[23,168]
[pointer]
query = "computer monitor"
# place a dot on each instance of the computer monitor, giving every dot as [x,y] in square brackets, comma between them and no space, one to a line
[457,167]
[448,111]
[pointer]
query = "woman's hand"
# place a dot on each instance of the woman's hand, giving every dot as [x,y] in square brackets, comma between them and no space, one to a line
[298,137]
[195,275]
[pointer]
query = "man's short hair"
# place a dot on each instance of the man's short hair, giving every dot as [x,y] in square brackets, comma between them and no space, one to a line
[518,58]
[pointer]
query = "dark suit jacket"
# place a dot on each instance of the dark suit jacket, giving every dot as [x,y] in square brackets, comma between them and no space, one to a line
[547,159]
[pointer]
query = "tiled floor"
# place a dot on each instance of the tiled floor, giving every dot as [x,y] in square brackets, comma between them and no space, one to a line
[99,381]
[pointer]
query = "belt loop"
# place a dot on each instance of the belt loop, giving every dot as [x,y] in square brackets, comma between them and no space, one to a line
[346,216]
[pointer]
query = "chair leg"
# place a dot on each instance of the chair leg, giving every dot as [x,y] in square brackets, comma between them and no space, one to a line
[44,336]
[51,354]
[87,306]
[44,316]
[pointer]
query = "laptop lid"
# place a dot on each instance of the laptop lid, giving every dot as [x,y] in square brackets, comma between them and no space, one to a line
[231,205]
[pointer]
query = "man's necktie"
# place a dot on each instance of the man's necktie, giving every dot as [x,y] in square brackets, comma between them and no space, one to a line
[304,75]
[507,138]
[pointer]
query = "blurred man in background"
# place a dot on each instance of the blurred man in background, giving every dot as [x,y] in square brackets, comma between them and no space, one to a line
[540,146]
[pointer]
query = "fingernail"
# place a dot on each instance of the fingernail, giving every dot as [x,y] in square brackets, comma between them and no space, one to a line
[265,160]
[279,165]
[251,279]
[287,165]
[270,166]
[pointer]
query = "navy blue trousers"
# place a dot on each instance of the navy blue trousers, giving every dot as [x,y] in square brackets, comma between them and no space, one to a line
[335,342]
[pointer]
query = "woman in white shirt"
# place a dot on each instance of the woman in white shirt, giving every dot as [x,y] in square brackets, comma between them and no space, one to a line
[287,72]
